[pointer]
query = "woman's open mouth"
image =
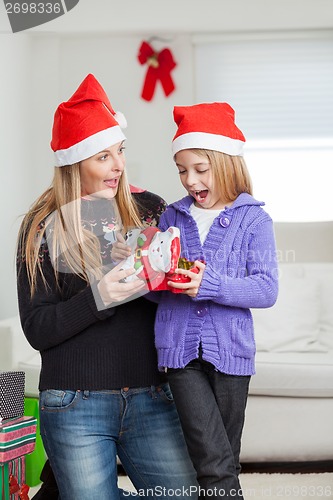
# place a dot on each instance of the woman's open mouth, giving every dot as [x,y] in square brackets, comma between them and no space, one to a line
[112,183]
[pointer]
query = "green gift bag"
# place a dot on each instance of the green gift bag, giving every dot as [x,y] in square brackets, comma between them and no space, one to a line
[34,461]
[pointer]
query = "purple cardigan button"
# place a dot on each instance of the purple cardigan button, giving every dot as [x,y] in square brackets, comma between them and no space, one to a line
[224,221]
[201,311]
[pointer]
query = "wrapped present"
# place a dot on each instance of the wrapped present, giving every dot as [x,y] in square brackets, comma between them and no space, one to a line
[155,258]
[17,438]
[11,394]
[12,480]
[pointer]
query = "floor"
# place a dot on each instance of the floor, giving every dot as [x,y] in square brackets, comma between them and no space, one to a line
[247,468]
[123,482]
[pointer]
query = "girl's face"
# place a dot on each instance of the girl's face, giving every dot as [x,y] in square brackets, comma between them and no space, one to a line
[197,178]
[100,173]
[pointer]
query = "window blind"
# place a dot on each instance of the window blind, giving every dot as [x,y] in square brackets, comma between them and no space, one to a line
[280,87]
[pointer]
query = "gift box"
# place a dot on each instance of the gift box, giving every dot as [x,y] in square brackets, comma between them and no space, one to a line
[11,394]
[17,438]
[12,480]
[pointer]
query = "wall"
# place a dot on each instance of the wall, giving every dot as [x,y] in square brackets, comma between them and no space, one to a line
[15,157]
[43,66]
[60,64]
[187,16]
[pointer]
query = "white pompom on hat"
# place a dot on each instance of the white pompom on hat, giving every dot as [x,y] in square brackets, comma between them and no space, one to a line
[207,126]
[85,124]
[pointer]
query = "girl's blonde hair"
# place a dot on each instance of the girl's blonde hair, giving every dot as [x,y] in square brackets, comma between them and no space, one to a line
[59,209]
[230,173]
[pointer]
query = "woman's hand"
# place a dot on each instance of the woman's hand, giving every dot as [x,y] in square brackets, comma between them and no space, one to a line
[120,251]
[191,288]
[112,287]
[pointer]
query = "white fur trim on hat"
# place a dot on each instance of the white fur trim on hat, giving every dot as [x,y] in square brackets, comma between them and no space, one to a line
[120,118]
[203,140]
[89,146]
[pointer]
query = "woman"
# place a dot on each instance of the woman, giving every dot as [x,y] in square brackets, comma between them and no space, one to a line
[100,392]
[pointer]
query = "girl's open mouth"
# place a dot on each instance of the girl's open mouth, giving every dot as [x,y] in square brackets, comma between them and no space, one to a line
[200,196]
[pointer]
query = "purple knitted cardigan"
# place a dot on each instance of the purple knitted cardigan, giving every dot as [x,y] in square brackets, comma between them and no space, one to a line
[241,273]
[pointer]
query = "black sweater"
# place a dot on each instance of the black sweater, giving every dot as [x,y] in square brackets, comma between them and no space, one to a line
[82,347]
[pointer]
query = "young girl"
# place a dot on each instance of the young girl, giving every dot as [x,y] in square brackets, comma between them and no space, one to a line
[204,335]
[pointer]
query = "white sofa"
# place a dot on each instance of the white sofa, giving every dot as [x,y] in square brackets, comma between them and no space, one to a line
[290,408]
[289,414]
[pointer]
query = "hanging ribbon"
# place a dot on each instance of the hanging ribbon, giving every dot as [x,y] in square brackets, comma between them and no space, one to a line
[160,64]
[15,488]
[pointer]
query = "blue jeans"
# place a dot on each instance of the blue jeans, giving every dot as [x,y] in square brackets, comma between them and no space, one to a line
[84,431]
[211,406]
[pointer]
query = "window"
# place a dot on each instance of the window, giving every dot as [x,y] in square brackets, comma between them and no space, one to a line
[281,87]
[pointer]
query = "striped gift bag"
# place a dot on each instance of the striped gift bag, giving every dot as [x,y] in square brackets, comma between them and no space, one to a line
[17,438]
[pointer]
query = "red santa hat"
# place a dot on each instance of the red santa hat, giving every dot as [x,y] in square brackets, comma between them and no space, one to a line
[207,126]
[85,124]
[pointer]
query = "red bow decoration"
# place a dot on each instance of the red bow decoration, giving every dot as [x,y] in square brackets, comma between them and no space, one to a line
[15,488]
[160,65]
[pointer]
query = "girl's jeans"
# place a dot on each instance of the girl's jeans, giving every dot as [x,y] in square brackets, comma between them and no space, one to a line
[211,406]
[84,431]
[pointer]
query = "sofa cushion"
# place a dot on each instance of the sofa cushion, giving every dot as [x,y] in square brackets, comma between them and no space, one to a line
[293,323]
[324,273]
[305,374]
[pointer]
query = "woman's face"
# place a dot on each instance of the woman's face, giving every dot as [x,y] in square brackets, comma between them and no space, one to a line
[100,173]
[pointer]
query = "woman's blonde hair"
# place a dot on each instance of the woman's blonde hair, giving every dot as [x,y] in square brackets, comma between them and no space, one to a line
[58,210]
[230,173]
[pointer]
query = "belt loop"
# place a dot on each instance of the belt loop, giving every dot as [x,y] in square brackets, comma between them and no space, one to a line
[85,395]
[153,391]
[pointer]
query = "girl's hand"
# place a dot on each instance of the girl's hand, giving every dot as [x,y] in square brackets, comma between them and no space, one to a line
[120,251]
[191,288]
[113,289]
